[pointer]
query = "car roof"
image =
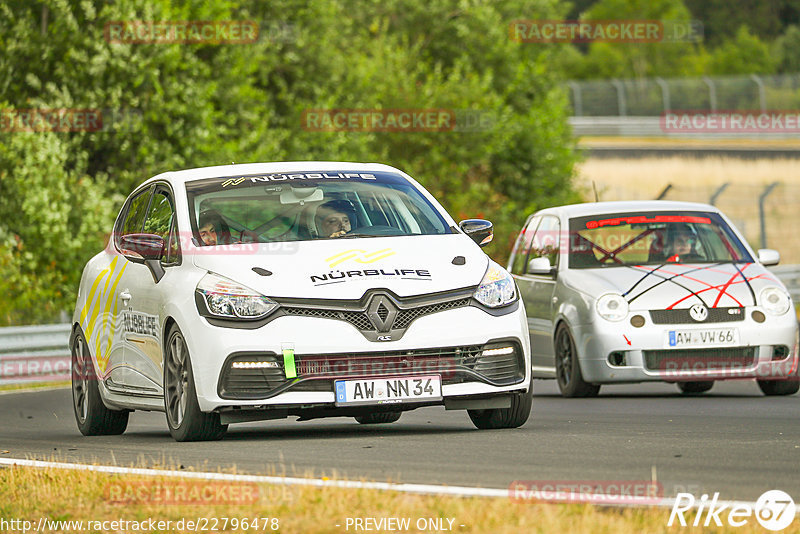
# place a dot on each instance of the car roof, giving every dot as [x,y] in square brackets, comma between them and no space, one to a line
[183,176]
[602,208]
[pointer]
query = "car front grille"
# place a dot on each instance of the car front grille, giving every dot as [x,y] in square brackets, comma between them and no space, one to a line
[699,359]
[681,316]
[316,372]
[361,321]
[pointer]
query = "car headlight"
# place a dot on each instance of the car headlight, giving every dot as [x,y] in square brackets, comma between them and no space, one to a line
[497,287]
[774,300]
[612,307]
[226,298]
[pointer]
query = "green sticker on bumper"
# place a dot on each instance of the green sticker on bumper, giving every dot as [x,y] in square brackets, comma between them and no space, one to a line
[288,363]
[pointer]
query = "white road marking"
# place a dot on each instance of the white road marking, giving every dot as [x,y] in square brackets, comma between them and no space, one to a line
[423,489]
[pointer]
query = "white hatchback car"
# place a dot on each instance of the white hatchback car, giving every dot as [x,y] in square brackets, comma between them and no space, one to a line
[312,289]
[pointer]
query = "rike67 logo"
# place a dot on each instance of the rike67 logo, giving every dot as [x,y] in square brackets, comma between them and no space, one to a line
[774,510]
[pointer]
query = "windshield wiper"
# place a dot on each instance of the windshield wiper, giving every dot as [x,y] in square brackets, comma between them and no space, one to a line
[358,234]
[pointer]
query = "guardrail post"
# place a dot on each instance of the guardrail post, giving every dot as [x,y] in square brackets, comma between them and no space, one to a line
[761,216]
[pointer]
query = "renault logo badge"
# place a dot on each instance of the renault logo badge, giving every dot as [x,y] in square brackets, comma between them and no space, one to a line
[382,313]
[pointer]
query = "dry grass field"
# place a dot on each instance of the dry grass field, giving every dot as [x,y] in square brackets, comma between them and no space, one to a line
[697,179]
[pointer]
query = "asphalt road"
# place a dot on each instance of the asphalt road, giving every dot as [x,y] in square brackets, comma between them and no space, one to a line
[732,440]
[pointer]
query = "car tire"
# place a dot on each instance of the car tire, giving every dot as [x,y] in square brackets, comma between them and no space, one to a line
[690,388]
[92,416]
[185,420]
[568,369]
[378,418]
[512,417]
[772,388]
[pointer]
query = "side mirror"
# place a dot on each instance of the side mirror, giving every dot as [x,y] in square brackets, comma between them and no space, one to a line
[141,247]
[768,257]
[146,249]
[479,230]
[540,265]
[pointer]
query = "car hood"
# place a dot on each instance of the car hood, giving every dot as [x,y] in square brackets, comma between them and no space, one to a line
[677,285]
[347,268]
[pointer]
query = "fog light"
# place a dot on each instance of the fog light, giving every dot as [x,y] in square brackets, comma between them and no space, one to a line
[780,352]
[759,317]
[255,365]
[500,351]
[637,321]
[617,358]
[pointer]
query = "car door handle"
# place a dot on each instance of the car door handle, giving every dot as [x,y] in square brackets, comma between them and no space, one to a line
[555,300]
[125,296]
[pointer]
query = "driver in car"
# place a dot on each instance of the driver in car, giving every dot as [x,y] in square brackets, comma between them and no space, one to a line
[333,218]
[681,243]
[213,228]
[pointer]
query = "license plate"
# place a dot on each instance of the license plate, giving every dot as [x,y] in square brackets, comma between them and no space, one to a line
[392,390]
[712,337]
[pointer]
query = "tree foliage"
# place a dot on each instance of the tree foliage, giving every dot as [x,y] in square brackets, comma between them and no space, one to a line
[190,105]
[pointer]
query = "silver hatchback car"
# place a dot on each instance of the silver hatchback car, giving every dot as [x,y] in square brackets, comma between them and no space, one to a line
[625,292]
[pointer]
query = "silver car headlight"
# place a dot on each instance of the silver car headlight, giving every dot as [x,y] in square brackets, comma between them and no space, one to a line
[497,287]
[226,298]
[774,300]
[612,307]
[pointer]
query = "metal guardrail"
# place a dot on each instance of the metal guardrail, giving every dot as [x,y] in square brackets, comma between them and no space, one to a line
[651,126]
[34,353]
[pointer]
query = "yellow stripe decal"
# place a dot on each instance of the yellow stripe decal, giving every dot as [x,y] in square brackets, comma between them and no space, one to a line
[102,364]
[105,319]
[102,295]
[89,299]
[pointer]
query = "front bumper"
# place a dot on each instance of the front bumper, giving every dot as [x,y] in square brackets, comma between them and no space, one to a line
[765,351]
[448,343]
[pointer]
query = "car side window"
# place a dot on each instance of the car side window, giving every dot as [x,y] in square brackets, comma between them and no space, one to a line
[523,246]
[159,218]
[134,216]
[546,240]
[160,222]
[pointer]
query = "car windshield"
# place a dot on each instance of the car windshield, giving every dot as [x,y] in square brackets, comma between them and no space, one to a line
[652,238]
[308,205]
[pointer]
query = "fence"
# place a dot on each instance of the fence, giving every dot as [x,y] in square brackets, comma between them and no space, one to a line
[765,214]
[635,107]
[651,97]
[34,353]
